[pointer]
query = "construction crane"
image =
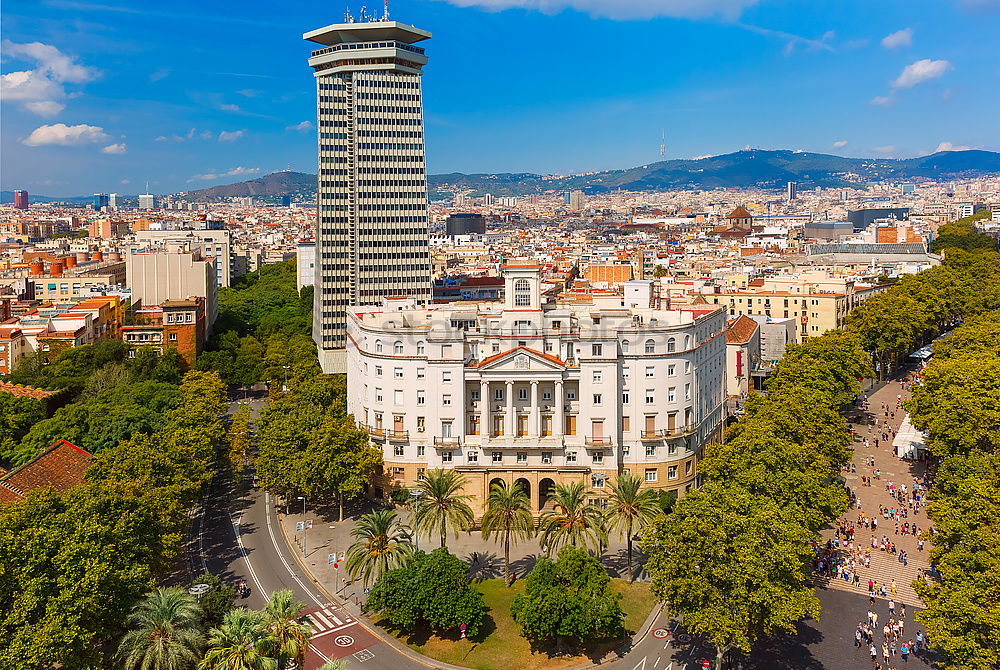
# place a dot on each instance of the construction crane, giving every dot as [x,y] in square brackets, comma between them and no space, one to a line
[663,143]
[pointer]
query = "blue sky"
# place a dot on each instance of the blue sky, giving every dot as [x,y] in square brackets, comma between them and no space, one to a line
[104,95]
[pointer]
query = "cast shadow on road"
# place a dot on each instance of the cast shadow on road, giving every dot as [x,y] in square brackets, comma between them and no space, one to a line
[783,652]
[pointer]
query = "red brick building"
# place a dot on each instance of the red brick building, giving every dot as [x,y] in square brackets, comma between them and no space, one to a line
[175,324]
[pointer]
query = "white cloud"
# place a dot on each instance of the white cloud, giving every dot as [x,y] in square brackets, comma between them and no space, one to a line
[882,100]
[887,149]
[301,127]
[702,157]
[39,88]
[921,71]
[231,135]
[249,92]
[232,172]
[114,149]
[948,146]
[162,73]
[840,144]
[620,9]
[899,39]
[230,108]
[46,108]
[67,136]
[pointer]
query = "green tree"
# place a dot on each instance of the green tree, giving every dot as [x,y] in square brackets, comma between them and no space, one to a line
[433,591]
[238,437]
[629,508]
[283,617]
[339,460]
[381,544]
[442,505]
[17,416]
[756,586]
[507,517]
[214,604]
[568,599]
[573,521]
[164,632]
[242,642]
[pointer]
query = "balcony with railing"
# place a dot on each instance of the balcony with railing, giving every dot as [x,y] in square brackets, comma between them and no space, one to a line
[351,46]
[447,441]
[598,441]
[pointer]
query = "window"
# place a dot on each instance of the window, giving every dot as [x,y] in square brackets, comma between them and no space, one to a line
[496,347]
[672,472]
[671,370]
[420,474]
[672,449]
[421,398]
[650,475]
[650,398]
[687,341]
[378,370]
[522,293]
[597,457]
[397,450]
[687,468]
[522,457]
[420,373]
[546,395]
[597,376]
[378,395]
[548,346]
[687,367]
[446,399]
[397,396]
[173,337]
[378,346]
[571,457]
[650,347]
[650,372]
[625,397]
[546,457]
[420,348]
[498,394]
[597,398]
[397,373]
[625,346]
[397,348]
[498,457]
[421,424]
[522,394]
[446,429]
[595,349]
[475,395]
[650,450]
[446,377]
[671,344]
[472,456]
[570,395]
[687,391]
[446,457]
[672,394]
[626,373]
[597,480]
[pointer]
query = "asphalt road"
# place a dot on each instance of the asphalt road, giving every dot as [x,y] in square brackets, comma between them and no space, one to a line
[241,540]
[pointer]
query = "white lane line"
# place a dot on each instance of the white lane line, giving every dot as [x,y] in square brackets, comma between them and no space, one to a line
[322,620]
[657,662]
[641,665]
[274,541]
[333,630]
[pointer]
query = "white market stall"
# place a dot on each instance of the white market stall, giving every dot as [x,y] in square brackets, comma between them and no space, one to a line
[909,442]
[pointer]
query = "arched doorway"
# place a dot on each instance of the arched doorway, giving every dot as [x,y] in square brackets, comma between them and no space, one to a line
[525,486]
[545,488]
[495,480]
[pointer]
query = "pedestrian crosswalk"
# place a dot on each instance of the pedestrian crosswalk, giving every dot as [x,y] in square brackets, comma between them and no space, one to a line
[328,619]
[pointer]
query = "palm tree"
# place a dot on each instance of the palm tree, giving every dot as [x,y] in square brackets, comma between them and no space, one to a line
[442,506]
[508,515]
[629,508]
[283,617]
[573,520]
[242,642]
[383,543]
[165,632]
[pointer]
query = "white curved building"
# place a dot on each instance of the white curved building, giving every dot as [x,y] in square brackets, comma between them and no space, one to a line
[538,391]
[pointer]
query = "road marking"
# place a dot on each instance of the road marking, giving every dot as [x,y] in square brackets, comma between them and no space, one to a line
[363,655]
[641,665]
[274,541]
[657,662]
[343,641]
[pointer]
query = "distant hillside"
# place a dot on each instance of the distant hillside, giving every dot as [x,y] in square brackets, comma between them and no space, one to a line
[276,184]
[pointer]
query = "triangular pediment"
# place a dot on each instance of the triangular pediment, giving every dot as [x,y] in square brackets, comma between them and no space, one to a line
[521,359]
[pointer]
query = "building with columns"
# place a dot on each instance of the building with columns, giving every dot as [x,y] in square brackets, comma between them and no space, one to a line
[538,390]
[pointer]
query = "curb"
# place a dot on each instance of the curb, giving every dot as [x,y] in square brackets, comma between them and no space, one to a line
[427,661]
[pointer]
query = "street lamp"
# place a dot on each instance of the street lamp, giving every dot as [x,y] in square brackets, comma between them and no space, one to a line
[416,494]
[303,499]
[286,367]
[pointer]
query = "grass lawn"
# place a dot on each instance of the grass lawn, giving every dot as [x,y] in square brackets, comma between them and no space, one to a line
[503,648]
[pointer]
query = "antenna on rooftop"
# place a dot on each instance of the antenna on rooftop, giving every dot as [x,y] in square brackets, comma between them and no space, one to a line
[364,14]
[663,141]
[385,10]
[348,17]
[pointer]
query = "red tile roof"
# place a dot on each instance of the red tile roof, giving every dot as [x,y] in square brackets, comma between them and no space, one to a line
[740,329]
[60,467]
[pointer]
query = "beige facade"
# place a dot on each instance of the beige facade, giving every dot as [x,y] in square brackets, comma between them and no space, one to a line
[176,273]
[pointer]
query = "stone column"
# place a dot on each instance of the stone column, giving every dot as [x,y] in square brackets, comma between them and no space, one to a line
[509,417]
[559,420]
[484,410]
[535,427]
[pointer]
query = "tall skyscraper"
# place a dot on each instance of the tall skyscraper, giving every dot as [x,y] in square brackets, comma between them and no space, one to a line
[371,207]
[793,190]
[146,201]
[21,199]
[112,201]
[101,201]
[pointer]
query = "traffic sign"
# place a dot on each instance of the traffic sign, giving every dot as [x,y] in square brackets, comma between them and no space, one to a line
[309,524]
[661,633]
[336,566]
[462,627]
[299,525]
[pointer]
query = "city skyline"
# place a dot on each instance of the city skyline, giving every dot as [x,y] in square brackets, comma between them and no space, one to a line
[96,99]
